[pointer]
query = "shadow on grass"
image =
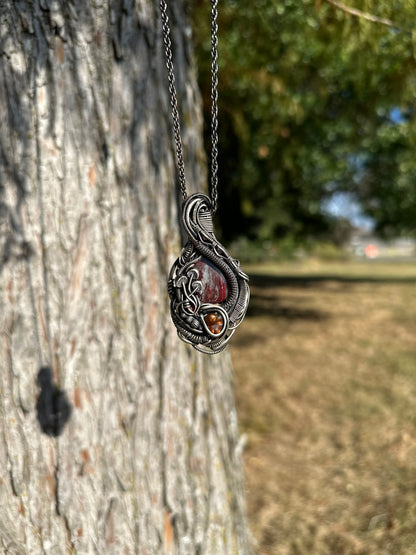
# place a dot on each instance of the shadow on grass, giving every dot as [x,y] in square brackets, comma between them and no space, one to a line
[265,302]
[311,280]
[274,307]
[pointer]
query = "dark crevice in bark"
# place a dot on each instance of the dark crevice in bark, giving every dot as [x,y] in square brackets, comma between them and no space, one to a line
[161,422]
[44,252]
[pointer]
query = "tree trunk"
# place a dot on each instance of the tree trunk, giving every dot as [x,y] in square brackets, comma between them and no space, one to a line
[115,436]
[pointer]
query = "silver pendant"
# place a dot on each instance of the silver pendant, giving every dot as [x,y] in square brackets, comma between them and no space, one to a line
[208,291]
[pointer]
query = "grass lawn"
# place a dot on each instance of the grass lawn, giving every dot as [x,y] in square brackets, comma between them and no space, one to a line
[325,366]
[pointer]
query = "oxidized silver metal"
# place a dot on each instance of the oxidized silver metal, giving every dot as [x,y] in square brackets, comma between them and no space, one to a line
[191,313]
[188,310]
[174,101]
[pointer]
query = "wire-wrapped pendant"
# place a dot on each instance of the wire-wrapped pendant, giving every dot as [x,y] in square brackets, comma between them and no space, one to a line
[208,291]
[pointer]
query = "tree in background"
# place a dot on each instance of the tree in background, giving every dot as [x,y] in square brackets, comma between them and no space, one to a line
[115,437]
[316,97]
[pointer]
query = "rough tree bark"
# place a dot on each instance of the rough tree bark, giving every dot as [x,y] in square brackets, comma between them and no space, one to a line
[126,441]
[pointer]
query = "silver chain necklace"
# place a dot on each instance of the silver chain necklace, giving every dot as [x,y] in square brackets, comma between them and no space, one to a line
[208,291]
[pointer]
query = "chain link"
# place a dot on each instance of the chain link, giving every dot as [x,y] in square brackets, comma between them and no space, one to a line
[174,101]
[173,98]
[214,105]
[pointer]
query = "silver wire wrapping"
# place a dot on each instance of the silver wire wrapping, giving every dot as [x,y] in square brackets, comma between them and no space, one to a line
[191,314]
[204,320]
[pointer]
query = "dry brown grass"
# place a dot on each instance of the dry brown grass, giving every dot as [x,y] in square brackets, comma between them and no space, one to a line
[326,391]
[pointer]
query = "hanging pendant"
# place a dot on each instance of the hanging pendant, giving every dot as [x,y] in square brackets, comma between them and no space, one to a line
[208,291]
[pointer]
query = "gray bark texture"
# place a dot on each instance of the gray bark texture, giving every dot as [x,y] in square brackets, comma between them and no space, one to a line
[115,437]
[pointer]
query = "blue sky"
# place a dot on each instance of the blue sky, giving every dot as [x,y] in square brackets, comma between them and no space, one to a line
[344,205]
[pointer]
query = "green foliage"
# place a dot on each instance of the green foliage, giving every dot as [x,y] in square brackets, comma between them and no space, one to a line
[313,100]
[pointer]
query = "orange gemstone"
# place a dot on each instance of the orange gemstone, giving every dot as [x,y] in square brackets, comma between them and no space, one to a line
[211,318]
[214,322]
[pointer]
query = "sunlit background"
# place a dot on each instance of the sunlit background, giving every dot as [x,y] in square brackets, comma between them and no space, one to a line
[318,200]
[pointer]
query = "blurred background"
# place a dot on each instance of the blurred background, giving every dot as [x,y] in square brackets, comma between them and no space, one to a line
[317,116]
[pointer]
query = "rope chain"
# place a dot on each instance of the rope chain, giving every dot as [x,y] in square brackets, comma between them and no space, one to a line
[173,98]
[214,105]
[174,101]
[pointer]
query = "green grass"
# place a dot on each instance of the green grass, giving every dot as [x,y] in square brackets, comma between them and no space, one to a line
[326,392]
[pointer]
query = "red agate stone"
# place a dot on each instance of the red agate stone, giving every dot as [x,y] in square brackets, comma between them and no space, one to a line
[214,285]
